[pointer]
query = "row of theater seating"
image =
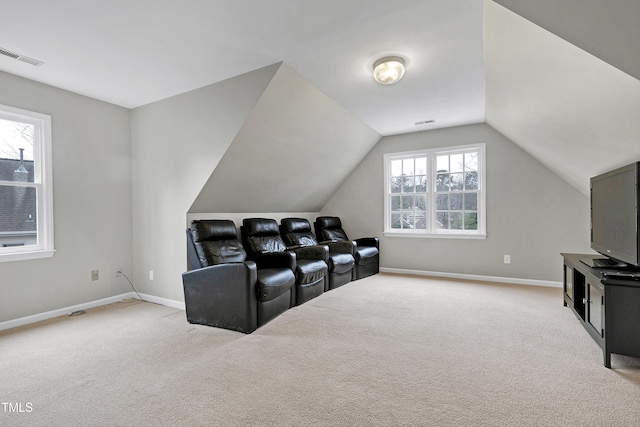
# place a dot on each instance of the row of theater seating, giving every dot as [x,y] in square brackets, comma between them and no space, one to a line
[243,285]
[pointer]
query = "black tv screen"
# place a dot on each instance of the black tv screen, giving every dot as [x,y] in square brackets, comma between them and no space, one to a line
[614,214]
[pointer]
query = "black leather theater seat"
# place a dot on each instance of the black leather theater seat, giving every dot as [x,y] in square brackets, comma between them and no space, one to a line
[297,232]
[262,236]
[224,289]
[367,249]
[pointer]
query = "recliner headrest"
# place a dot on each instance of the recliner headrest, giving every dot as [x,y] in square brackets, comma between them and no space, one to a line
[329,222]
[261,227]
[295,225]
[213,229]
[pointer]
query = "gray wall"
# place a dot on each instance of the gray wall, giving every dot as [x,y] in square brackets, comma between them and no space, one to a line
[293,131]
[532,214]
[119,172]
[92,203]
[177,143]
[234,147]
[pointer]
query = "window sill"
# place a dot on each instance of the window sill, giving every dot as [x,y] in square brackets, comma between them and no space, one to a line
[437,235]
[27,255]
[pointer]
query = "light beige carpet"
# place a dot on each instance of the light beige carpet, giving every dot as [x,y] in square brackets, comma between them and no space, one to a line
[387,350]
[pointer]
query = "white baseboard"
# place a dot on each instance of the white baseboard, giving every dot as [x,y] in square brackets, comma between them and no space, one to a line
[85,306]
[496,279]
[180,304]
[162,301]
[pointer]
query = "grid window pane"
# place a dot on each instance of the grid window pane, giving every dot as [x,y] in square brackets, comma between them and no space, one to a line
[395,220]
[407,167]
[456,163]
[407,184]
[470,201]
[442,202]
[442,220]
[16,151]
[471,161]
[456,221]
[456,201]
[396,185]
[421,184]
[395,203]
[471,221]
[421,166]
[420,219]
[396,168]
[407,220]
[471,181]
[442,164]
[442,182]
[18,226]
[457,183]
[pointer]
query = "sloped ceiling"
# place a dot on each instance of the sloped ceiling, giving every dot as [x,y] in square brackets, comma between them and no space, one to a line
[607,29]
[572,111]
[135,52]
[575,113]
[292,153]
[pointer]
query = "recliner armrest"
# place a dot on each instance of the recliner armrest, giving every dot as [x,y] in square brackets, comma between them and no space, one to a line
[221,274]
[320,252]
[223,295]
[275,260]
[368,241]
[343,247]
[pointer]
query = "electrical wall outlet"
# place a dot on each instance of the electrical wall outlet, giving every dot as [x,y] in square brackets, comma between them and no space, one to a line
[118,271]
[507,259]
[95,275]
[150,274]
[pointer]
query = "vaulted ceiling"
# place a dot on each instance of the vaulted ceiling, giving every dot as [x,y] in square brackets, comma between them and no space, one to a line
[561,81]
[576,113]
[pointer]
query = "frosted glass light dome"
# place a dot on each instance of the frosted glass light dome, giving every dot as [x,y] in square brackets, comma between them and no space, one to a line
[388,70]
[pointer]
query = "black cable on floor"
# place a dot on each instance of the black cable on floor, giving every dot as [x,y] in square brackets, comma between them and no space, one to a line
[132,287]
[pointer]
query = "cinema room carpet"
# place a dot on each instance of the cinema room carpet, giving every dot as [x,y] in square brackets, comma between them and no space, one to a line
[387,350]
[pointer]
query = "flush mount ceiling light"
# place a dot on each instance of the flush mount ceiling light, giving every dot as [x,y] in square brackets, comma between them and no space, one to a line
[388,70]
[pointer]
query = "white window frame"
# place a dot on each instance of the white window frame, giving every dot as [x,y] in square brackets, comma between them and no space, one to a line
[431,231]
[43,183]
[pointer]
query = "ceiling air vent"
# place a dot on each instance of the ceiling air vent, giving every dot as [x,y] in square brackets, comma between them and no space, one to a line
[424,123]
[19,57]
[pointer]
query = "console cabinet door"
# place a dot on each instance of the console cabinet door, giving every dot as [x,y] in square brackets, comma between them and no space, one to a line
[568,281]
[595,302]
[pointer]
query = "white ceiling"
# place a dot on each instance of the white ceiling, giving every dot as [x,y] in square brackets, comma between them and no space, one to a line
[134,52]
[468,61]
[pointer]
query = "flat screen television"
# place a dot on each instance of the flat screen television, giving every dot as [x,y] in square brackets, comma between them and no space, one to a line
[615,218]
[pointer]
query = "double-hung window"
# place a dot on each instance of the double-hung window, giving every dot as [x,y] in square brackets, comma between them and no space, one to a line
[436,192]
[26,199]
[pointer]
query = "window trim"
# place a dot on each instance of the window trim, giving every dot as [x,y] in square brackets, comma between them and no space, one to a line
[431,154]
[43,182]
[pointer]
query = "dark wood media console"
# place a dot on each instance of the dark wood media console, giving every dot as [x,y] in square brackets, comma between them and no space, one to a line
[608,309]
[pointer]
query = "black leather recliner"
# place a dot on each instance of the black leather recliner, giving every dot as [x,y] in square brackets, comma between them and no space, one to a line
[262,235]
[297,232]
[223,289]
[367,248]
